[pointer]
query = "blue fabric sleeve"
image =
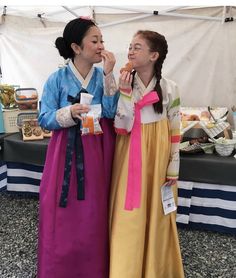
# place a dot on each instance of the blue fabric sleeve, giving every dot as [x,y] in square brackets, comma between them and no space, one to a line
[109,105]
[50,103]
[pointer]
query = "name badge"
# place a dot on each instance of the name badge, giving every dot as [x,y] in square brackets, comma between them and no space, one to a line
[167,196]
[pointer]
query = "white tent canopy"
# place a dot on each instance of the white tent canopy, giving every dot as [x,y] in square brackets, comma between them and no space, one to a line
[201,57]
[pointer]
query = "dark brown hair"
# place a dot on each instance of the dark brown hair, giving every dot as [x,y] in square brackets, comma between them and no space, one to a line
[156,43]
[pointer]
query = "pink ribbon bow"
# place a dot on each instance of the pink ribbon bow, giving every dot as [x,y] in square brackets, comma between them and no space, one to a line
[133,191]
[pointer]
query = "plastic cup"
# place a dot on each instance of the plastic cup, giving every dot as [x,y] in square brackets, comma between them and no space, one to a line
[86,98]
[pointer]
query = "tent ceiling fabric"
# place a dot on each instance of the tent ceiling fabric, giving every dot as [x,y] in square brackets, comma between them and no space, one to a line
[66,13]
[201,57]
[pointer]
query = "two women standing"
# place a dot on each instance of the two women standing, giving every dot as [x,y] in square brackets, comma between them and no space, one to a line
[75,188]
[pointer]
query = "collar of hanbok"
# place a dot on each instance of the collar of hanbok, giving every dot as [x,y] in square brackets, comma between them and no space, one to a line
[124,118]
[84,82]
[138,85]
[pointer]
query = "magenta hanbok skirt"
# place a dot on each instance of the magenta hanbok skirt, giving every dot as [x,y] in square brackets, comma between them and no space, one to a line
[74,241]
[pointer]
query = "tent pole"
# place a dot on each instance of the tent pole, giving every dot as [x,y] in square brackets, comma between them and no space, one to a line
[4,11]
[227,14]
[174,8]
[223,15]
[125,20]
[126,9]
[62,10]
[93,13]
[190,16]
[165,13]
[138,10]
[69,10]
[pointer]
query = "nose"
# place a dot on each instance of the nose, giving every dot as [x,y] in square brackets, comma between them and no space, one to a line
[101,46]
[130,54]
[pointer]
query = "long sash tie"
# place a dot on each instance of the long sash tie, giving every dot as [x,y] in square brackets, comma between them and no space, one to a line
[74,142]
[133,191]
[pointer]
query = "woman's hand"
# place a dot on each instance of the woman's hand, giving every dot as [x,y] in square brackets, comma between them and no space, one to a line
[171,182]
[125,82]
[77,109]
[108,61]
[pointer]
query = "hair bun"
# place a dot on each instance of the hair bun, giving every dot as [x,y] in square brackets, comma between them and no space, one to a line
[60,42]
[64,50]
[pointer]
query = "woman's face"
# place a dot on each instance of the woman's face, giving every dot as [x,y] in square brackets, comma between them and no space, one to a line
[139,53]
[92,46]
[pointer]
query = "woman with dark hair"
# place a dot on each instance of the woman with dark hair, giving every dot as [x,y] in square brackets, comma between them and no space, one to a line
[74,191]
[143,233]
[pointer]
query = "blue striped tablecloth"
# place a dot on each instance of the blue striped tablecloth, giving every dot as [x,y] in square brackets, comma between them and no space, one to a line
[3,176]
[200,205]
[207,206]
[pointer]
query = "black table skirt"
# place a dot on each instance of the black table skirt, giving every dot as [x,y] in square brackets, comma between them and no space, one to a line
[30,152]
[206,168]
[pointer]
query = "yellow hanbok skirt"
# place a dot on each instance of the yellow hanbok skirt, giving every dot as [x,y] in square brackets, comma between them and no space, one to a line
[143,241]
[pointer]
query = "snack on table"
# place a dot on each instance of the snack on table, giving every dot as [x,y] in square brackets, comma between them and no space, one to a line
[128,67]
[189,117]
[194,117]
[37,131]
[27,131]
[205,116]
[31,130]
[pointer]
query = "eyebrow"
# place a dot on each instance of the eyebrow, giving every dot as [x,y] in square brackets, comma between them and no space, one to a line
[96,36]
[139,44]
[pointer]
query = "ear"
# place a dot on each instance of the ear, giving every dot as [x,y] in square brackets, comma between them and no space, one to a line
[76,48]
[154,56]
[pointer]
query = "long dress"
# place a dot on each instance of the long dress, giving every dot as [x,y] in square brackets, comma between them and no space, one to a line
[143,241]
[73,240]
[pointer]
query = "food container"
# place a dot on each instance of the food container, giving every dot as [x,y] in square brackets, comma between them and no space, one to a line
[21,117]
[26,98]
[10,120]
[28,116]
[224,147]
[28,125]
[31,130]
[208,147]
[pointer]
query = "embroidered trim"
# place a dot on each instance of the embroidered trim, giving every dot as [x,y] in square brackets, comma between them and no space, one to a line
[64,118]
[110,87]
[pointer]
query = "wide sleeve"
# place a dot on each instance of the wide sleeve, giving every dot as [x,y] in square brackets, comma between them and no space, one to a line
[54,114]
[110,96]
[173,113]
